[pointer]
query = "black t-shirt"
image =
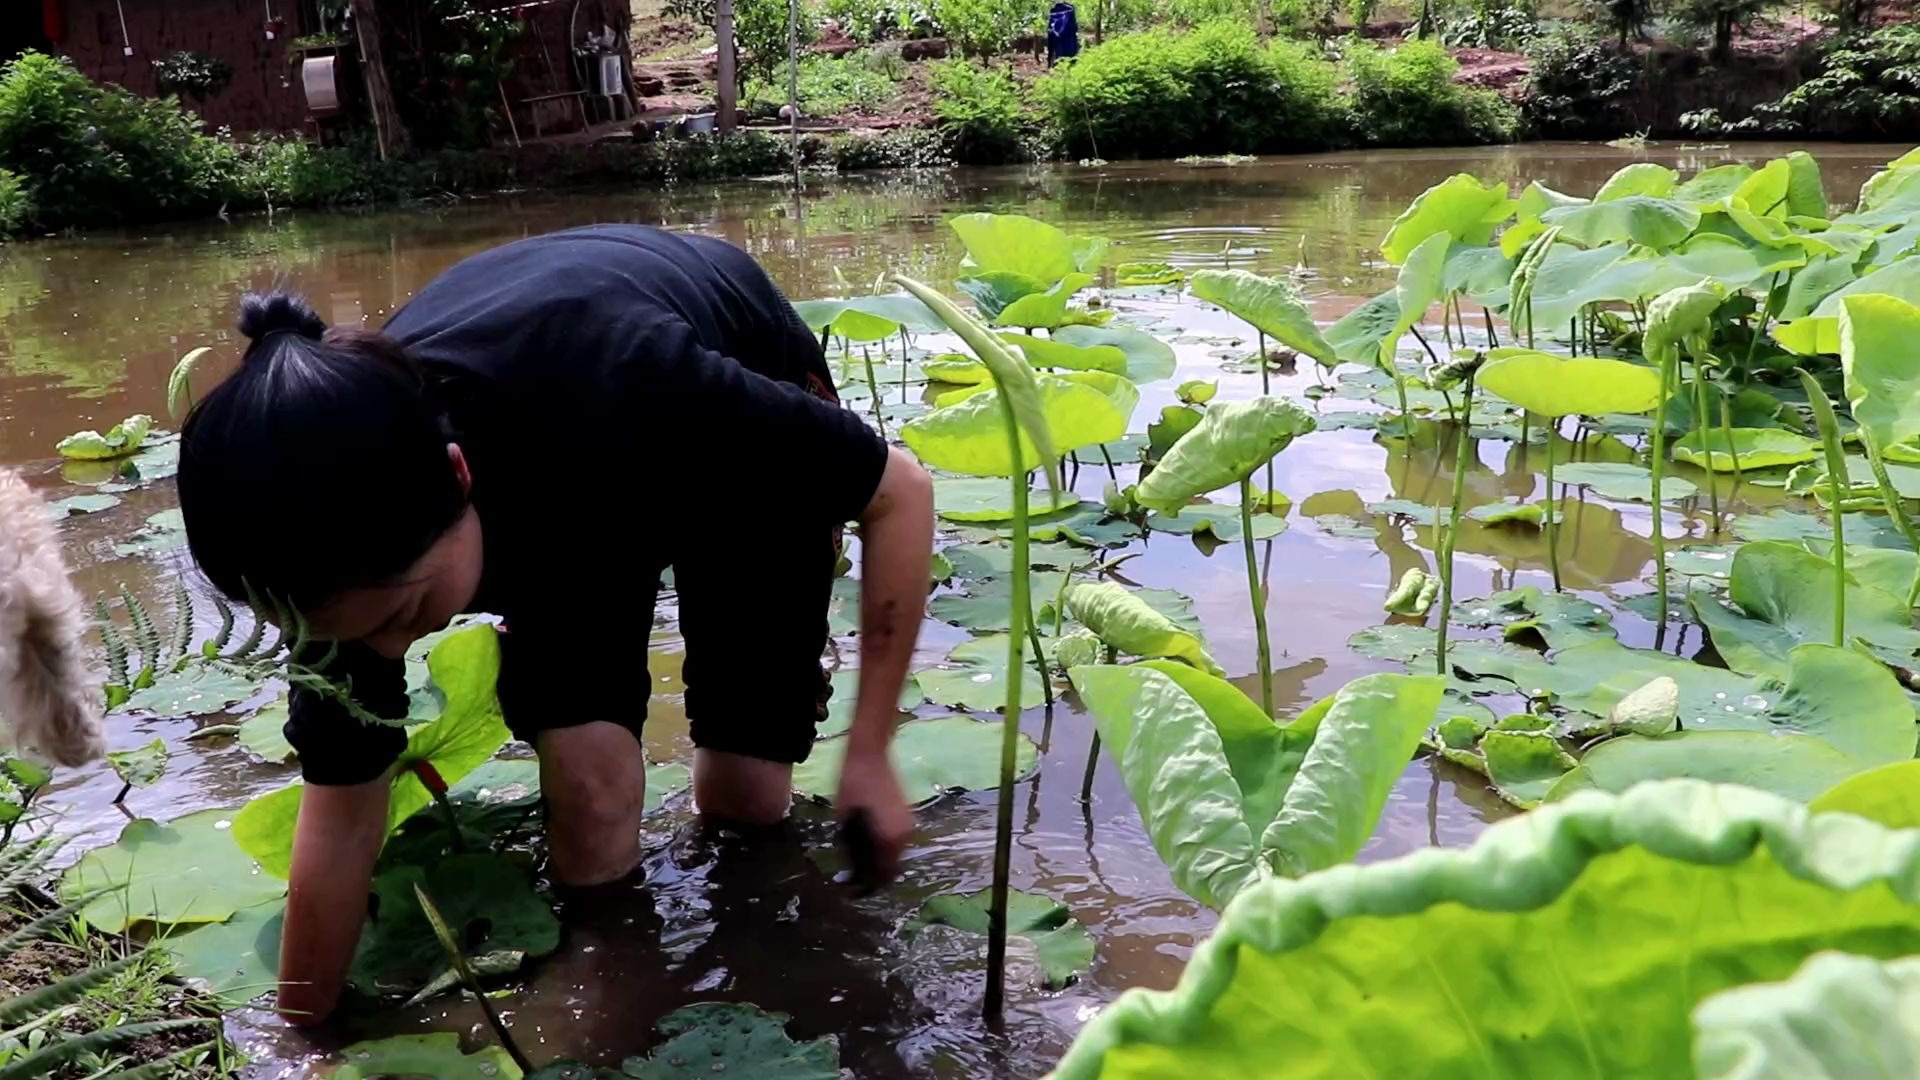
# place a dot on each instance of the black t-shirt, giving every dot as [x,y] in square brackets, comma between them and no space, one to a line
[610,386]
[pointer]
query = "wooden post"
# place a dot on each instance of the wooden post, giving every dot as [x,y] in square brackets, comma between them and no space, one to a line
[729,65]
[388,128]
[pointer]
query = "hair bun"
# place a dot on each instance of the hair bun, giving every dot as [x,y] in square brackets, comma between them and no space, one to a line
[278,312]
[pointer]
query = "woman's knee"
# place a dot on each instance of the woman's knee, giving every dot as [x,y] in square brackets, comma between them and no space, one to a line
[740,789]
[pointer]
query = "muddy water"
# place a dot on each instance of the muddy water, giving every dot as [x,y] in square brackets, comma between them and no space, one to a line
[90,327]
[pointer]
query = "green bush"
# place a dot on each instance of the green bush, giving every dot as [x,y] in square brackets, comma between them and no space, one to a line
[1215,90]
[16,203]
[868,21]
[1579,88]
[987,28]
[1868,85]
[980,109]
[827,85]
[1406,96]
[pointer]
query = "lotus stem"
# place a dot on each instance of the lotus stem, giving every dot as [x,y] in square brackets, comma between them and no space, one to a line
[995,996]
[873,389]
[1086,778]
[455,841]
[1766,314]
[1700,425]
[903,365]
[1040,659]
[467,978]
[1896,509]
[1406,414]
[1553,548]
[1659,472]
[1462,457]
[1257,594]
[1266,383]
[1108,458]
[1493,340]
[1837,485]
[1726,429]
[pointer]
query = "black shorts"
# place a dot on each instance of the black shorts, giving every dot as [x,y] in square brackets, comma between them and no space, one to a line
[753,614]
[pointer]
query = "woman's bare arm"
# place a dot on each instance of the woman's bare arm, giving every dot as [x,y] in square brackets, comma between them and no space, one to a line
[335,845]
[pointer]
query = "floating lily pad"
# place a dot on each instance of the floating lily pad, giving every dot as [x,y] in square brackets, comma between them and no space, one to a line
[993,558]
[846,685]
[487,901]
[1148,358]
[1872,530]
[1703,560]
[1756,448]
[165,531]
[1061,944]
[87,503]
[1089,525]
[1796,766]
[717,1040]
[264,734]
[978,680]
[991,499]
[186,871]
[1784,596]
[1222,522]
[1503,513]
[1397,641]
[932,758]
[120,440]
[1560,619]
[1417,513]
[1624,482]
[237,960]
[143,766]
[1523,766]
[437,1055]
[988,605]
[196,691]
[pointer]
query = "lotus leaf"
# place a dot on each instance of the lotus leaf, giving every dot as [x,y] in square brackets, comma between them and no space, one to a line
[1754,448]
[1061,944]
[932,757]
[988,605]
[1460,206]
[1728,261]
[1537,199]
[1888,795]
[1712,185]
[437,1055]
[969,436]
[1131,626]
[465,666]
[1175,421]
[1790,765]
[1014,243]
[1043,310]
[1840,1017]
[1877,336]
[197,690]
[1227,446]
[1048,353]
[1566,276]
[978,678]
[1376,970]
[1148,358]
[1271,305]
[120,440]
[1558,386]
[974,561]
[163,532]
[1357,336]
[89,503]
[1819,332]
[1220,521]
[236,960]
[1422,283]
[1473,270]
[866,315]
[1560,619]
[957,369]
[751,1043]
[1820,278]
[1523,765]
[1229,797]
[989,499]
[185,871]
[1088,525]
[1784,595]
[1624,482]
[487,901]
[845,690]
[1640,178]
[1649,222]
[143,766]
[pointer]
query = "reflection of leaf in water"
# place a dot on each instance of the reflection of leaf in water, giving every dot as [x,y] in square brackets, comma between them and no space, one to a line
[1061,944]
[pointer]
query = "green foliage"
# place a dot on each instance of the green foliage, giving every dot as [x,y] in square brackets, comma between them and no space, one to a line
[1868,86]
[867,21]
[980,107]
[760,31]
[1718,18]
[1579,87]
[826,85]
[17,209]
[1406,96]
[981,29]
[1491,26]
[194,74]
[1216,89]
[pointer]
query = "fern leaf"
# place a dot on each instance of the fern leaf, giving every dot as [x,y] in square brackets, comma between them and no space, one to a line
[55,1054]
[166,1067]
[46,924]
[212,646]
[113,643]
[64,992]
[245,651]
[21,863]
[145,634]
[182,622]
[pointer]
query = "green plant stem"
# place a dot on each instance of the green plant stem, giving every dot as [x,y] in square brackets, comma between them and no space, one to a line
[1010,736]
[1552,530]
[1837,486]
[1257,594]
[1766,313]
[1895,506]
[1659,471]
[1462,457]
[903,365]
[454,839]
[1040,660]
[1493,340]
[1726,429]
[1108,458]
[873,389]
[1700,424]
[1406,414]
[468,979]
[1266,387]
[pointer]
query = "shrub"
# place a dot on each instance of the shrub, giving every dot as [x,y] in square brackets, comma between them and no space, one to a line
[1578,88]
[1490,26]
[826,85]
[1406,96]
[868,21]
[16,203]
[1215,90]
[901,148]
[1869,84]
[980,109]
[988,28]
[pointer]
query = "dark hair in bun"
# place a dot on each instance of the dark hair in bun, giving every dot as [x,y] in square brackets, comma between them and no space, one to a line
[320,465]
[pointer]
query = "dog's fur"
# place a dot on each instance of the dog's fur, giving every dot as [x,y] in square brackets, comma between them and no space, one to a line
[47,697]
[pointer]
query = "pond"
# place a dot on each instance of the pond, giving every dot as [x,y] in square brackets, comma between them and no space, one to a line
[91,326]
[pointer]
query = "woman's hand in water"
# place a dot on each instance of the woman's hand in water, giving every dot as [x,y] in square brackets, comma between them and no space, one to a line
[868,783]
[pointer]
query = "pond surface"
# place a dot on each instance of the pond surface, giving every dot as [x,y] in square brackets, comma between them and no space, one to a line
[90,328]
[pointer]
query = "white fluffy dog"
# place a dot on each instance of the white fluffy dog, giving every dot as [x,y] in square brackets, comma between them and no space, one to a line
[47,698]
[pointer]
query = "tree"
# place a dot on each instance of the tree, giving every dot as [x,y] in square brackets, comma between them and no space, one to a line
[389,129]
[1720,17]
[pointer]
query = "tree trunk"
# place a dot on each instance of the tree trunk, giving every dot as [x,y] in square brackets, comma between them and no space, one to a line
[389,130]
[1722,38]
[728,64]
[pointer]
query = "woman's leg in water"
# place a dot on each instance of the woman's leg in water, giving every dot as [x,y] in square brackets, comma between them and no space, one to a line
[594,778]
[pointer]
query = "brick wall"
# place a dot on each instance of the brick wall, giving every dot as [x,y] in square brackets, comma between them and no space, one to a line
[265,93]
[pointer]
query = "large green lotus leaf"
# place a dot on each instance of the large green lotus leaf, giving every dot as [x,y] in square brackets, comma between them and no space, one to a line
[1628,280]
[1557,386]
[1862,530]
[1784,596]
[868,318]
[1562,620]
[1793,766]
[1460,206]
[1048,353]
[196,691]
[1421,284]
[931,757]
[1618,480]
[1537,199]
[970,436]
[1386,970]
[1523,766]
[464,667]
[1649,222]
[1357,336]
[1839,1017]
[978,678]
[1712,185]
[988,605]
[1148,358]
[437,1055]
[1271,305]
[120,440]
[1820,331]
[1754,448]
[1732,263]
[1565,275]
[956,369]
[1062,946]
[986,559]
[1639,178]
[713,1039]
[1889,795]
[1015,244]
[1227,446]
[235,961]
[991,499]
[264,733]
[487,901]
[861,328]
[185,871]
[1220,521]
[1806,194]
[1043,310]
[1820,278]
[1132,627]
[1472,270]
[1877,342]
[1765,189]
